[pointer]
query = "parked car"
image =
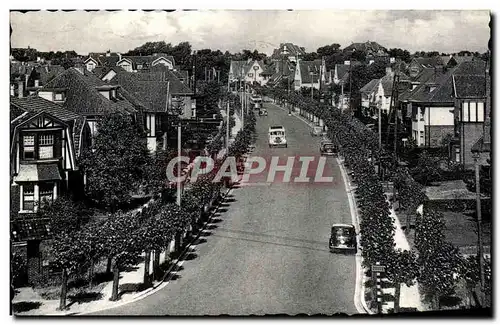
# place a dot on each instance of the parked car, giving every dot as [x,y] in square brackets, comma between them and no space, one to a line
[328,148]
[262,112]
[343,238]
[317,131]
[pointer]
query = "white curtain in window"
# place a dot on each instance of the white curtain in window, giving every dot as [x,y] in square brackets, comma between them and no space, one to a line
[465,112]
[480,112]
[472,111]
[46,152]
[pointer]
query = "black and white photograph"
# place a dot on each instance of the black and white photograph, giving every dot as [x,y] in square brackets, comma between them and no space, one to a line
[326,162]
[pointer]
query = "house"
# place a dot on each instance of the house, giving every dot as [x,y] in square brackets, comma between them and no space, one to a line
[368,97]
[249,71]
[472,108]
[41,75]
[160,94]
[108,59]
[279,70]
[418,64]
[46,141]
[309,74]
[341,73]
[288,51]
[140,63]
[80,91]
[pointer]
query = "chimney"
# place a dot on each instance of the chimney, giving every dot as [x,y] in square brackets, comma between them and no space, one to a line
[26,77]
[20,89]
[37,83]
[119,56]
[108,53]
[12,92]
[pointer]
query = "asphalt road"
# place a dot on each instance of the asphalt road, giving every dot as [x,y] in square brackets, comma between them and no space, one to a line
[267,250]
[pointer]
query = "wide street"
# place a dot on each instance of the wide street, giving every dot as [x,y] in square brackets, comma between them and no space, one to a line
[266,251]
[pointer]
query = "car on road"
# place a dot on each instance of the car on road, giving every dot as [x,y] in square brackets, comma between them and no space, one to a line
[343,238]
[277,136]
[317,131]
[262,112]
[328,148]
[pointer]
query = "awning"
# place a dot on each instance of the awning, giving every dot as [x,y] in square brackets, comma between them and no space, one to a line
[37,173]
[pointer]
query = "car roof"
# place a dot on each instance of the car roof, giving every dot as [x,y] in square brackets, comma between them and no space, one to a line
[342,225]
[276,127]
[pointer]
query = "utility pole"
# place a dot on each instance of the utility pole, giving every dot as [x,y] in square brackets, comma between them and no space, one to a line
[179,164]
[476,156]
[227,128]
[165,135]
[379,105]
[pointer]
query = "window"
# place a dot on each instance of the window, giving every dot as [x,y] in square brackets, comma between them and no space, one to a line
[58,97]
[28,197]
[46,193]
[465,112]
[480,112]
[422,137]
[29,147]
[250,74]
[472,112]
[46,146]
[457,154]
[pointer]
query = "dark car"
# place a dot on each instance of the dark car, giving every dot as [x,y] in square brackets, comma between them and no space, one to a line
[263,112]
[343,238]
[328,148]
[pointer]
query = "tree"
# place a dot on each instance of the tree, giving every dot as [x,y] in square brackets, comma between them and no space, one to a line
[400,54]
[439,260]
[122,243]
[402,268]
[68,256]
[64,214]
[427,169]
[114,165]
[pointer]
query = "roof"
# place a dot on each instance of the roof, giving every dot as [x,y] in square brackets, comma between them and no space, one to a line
[291,48]
[147,60]
[306,67]
[370,87]
[366,46]
[342,70]
[177,87]
[46,73]
[105,59]
[37,173]
[82,96]
[430,62]
[144,90]
[39,104]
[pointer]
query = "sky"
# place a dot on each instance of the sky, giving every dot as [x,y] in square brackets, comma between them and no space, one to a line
[440,30]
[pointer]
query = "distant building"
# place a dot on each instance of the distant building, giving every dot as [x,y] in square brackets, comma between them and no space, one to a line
[288,51]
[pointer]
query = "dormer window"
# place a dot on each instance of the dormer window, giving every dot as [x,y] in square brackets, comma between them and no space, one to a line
[59,97]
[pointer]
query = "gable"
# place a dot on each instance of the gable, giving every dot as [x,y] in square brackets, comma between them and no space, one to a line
[42,121]
[163,61]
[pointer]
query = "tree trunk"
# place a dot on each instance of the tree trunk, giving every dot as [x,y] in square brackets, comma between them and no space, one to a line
[108,265]
[64,290]
[91,273]
[397,296]
[178,241]
[116,282]
[156,265]
[147,260]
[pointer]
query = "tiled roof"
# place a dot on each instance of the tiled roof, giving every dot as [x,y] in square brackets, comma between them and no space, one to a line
[291,48]
[370,87]
[45,73]
[39,104]
[469,80]
[103,59]
[342,69]
[306,67]
[177,87]
[142,89]
[431,62]
[461,59]
[366,46]
[82,96]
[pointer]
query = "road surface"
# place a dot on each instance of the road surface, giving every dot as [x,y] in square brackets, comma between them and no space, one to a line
[267,250]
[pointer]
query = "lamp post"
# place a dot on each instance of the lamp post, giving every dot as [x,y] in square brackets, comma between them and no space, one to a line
[476,156]
[255,68]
